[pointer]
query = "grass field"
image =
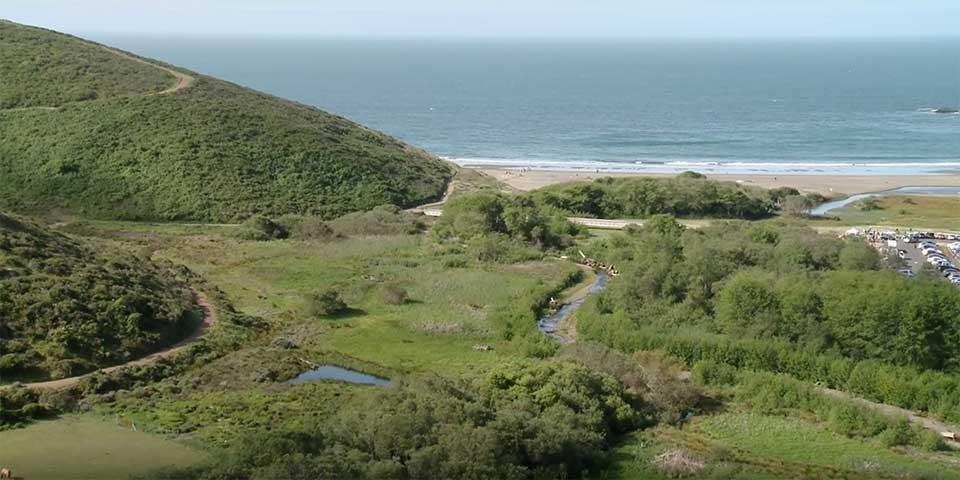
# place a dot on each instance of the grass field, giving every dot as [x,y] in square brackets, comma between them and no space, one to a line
[445,315]
[917,211]
[447,312]
[795,443]
[87,447]
[758,447]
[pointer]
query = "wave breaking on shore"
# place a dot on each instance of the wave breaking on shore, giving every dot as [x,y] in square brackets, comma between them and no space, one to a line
[717,167]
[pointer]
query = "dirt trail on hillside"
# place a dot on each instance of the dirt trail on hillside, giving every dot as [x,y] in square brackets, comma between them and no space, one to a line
[209,319]
[451,186]
[183,80]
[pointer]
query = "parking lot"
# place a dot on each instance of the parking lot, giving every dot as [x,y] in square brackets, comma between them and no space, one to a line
[919,251]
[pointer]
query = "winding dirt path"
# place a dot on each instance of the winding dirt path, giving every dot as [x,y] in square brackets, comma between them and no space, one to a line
[209,319]
[183,80]
[433,206]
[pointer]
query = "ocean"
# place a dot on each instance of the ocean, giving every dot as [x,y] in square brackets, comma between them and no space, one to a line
[727,106]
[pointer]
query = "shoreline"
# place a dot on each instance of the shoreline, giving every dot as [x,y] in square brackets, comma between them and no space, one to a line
[825,184]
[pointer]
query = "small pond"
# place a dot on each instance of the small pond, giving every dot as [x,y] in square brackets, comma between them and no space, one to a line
[826,207]
[333,372]
[550,323]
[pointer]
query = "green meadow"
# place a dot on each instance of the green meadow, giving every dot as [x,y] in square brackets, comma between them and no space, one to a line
[88,447]
[900,211]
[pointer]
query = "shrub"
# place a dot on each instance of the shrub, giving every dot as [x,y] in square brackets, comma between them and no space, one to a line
[261,229]
[393,294]
[854,421]
[711,373]
[455,261]
[310,228]
[382,220]
[668,392]
[74,305]
[899,433]
[325,303]
[870,204]
[549,419]
[611,362]
[687,195]
[858,255]
[928,440]
[494,215]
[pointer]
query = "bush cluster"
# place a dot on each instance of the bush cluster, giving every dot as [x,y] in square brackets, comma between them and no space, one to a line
[68,306]
[687,195]
[919,390]
[771,280]
[261,229]
[544,420]
[486,220]
[324,303]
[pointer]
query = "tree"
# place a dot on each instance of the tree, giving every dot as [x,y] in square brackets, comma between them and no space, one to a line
[748,304]
[858,255]
[797,206]
[472,215]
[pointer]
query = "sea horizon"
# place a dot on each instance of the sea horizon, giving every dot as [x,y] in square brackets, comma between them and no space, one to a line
[831,106]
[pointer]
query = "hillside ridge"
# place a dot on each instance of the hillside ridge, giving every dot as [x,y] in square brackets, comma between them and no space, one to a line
[192,149]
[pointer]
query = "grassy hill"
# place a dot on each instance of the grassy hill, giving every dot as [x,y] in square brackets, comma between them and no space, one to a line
[116,148]
[39,68]
[68,306]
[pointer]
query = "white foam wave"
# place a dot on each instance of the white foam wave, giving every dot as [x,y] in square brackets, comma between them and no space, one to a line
[718,166]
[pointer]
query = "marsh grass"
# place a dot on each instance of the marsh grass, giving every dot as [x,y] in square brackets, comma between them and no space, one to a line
[918,211]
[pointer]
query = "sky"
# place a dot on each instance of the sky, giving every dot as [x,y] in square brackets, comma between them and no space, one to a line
[495,18]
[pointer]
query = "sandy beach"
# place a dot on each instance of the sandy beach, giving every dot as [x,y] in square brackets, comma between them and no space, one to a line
[824,184]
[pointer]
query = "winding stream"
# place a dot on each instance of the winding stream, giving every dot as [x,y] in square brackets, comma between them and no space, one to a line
[550,323]
[826,207]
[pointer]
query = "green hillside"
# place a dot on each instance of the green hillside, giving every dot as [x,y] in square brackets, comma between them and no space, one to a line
[39,68]
[211,151]
[68,306]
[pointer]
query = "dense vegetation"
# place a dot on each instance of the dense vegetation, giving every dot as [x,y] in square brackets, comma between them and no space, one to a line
[68,306]
[687,195]
[384,220]
[479,392]
[211,152]
[767,393]
[39,68]
[766,280]
[782,298]
[480,217]
[549,420]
